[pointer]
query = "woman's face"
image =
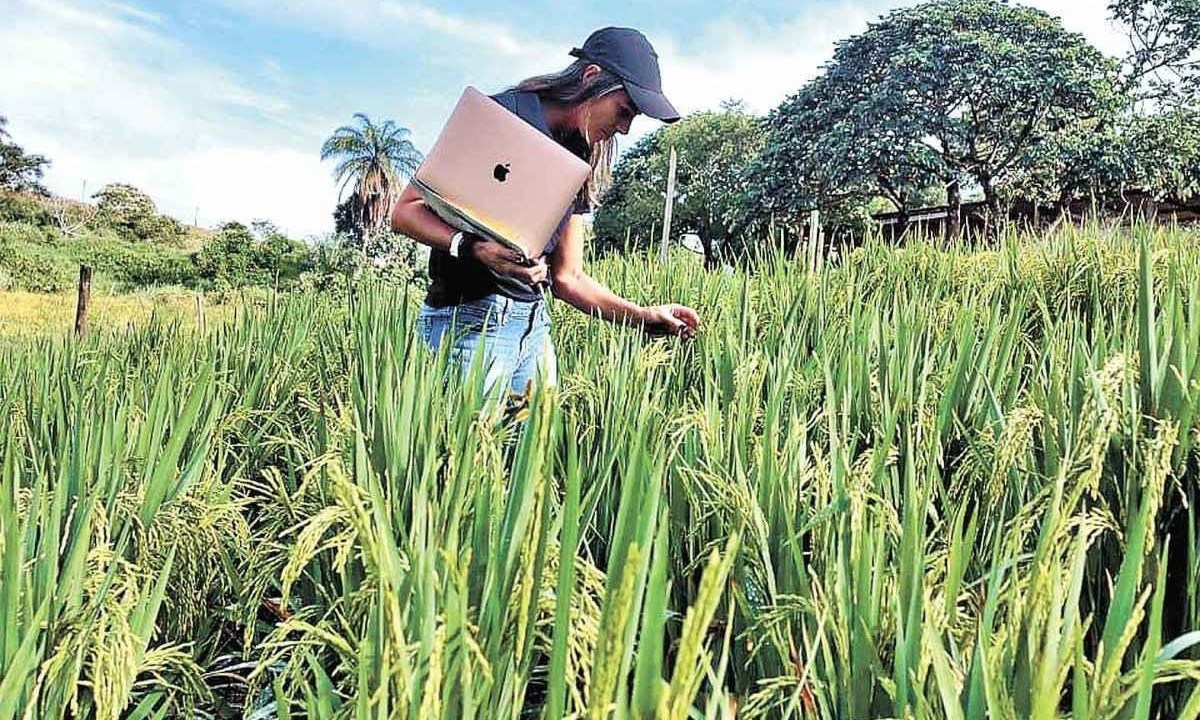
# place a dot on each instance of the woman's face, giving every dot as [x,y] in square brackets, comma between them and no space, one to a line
[603,117]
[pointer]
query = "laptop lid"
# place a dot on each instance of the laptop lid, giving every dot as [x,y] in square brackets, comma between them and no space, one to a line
[500,172]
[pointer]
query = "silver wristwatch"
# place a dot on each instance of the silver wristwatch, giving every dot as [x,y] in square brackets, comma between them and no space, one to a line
[455,242]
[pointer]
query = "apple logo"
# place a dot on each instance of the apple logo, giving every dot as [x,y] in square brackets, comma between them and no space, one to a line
[501,171]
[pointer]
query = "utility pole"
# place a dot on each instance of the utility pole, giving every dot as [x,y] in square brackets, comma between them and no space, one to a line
[668,204]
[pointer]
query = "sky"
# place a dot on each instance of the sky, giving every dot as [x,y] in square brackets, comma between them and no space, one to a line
[218,108]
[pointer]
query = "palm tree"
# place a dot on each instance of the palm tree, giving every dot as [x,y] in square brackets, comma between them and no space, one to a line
[378,158]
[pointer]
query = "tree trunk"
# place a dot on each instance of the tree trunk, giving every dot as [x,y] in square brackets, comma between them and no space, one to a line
[992,221]
[710,260]
[706,241]
[989,192]
[1064,206]
[954,217]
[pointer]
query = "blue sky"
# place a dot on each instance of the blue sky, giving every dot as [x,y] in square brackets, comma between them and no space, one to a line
[217,108]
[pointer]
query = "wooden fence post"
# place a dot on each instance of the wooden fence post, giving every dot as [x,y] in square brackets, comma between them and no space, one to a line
[85,297]
[200,312]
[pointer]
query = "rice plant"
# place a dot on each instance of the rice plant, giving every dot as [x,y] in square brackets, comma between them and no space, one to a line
[926,482]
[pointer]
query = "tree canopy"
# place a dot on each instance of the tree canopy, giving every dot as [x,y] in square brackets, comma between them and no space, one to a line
[133,215]
[19,171]
[713,150]
[1163,66]
[945,92]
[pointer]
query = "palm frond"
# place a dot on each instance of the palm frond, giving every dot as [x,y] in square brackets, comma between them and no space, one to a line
[375,158]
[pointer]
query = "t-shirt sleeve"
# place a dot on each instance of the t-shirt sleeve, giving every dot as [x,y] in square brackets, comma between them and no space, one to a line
[581,206]
[508,100]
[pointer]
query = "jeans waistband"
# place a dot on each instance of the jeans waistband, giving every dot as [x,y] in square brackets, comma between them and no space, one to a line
[505,305]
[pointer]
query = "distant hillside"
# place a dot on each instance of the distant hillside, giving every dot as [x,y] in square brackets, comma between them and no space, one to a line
[58,211]
[44,239]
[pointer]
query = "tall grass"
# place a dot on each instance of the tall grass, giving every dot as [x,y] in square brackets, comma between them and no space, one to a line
[925,483]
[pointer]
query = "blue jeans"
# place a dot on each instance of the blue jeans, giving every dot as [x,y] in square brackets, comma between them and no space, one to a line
[513,335]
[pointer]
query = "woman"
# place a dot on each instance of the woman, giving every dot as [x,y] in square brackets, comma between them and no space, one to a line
[480,291]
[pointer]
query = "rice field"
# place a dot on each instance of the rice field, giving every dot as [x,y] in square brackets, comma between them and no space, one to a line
[30,315]
[926,483]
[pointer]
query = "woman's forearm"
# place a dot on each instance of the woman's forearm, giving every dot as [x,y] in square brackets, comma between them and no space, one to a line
[412,218]
[589,296]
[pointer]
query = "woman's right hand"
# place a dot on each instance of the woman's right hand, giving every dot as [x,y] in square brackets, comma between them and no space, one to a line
[504,261]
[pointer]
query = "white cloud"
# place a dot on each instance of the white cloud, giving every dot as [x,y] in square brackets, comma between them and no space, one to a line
[215,183]
[754,60]
[1089,19]
[111,97]
[420,26]
[58,12]
[135,12]
[481,33]
[759,60]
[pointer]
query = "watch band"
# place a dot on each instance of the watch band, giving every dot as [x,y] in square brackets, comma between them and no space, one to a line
[455,243]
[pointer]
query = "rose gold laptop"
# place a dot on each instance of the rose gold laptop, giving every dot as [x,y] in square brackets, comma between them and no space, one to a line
[492,173]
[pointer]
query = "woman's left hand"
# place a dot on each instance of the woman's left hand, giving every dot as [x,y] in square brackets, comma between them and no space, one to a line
[671,319]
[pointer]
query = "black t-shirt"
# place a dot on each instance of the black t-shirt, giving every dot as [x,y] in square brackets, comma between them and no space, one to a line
[457,280]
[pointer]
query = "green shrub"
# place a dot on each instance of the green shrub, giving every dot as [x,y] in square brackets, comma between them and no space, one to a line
[235,258]
[225,260]
[15,207]
[134,265]
[132,214]
[28,232]
[34,266]
[280,259]
[41,259]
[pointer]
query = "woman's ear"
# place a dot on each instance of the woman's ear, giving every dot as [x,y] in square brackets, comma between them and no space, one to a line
[591,71]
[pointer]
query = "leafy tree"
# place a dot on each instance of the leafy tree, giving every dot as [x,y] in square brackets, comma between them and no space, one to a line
[348,223]
[1145,136]
[23,207]
[713,150]
[275,257]
[1163,66]
[951,91]
[1165,148]
[19,171]
[226,258]
[1084,159]
[817,158]
[259,254]
[1158,153]
[263,229]
[398,258]
[377,159]
[132,214]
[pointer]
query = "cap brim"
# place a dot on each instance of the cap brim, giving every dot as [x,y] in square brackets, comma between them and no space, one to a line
[652,103]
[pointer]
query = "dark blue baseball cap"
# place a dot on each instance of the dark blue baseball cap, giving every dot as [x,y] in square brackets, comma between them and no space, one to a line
[627,53]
